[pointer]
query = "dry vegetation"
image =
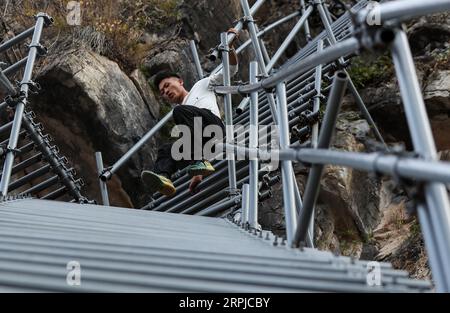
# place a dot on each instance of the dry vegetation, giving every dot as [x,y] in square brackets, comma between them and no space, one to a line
[113,28]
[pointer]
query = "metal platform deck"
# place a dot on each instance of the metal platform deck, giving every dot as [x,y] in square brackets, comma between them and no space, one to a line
[124,250]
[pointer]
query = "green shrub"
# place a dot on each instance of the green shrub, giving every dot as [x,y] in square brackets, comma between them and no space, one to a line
[365,71]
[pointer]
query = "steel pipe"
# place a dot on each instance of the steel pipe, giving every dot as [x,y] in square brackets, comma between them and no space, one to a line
[107,174]
[306,28]
[26,163]
[56,163]
[403,10]
[313,183]
[16,66]
[422,138]
[406,167]
[245,204]
[55,194]
[103,185]
[42,20]
[29,177]
[287,172]
[332,39]
[258,52]
[239,26]
[252,217]
[330,54]
[6,84]
[42,186]
[291,36]
[17,39]
[228,114]
[196,59]
[225,205]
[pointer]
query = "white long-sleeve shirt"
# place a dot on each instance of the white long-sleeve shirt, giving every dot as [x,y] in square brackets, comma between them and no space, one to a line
[202,93]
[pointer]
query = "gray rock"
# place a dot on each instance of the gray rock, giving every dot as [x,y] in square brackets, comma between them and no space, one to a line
[146,92]
[387,108]
[90,105]
[429,33]
[437,92]
[174,56]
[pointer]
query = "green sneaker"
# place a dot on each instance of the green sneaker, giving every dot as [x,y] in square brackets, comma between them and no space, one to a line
[203,168]
[158,183]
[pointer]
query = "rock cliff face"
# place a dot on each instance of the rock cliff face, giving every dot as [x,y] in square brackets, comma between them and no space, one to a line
[430,43]
[91,105]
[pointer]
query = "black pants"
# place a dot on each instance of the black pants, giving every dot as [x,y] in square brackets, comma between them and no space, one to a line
[184,115]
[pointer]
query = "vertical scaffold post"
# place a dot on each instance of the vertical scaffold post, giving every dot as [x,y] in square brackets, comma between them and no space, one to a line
[307,30]
[313,183]
[437,207]
[103,186]
[287,172]
[245,204]
[228,115]
[259,54]
[253,143]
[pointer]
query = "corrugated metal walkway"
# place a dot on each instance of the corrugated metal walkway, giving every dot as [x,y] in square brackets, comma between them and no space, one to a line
[124,250]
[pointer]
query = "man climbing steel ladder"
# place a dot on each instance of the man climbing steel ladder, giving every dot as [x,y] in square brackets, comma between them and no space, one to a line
[199,102]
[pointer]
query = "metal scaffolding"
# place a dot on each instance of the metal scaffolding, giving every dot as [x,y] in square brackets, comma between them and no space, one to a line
[298,84]
[44,172]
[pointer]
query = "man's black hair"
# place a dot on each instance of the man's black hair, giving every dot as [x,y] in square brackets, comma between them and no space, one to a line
[163,75]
